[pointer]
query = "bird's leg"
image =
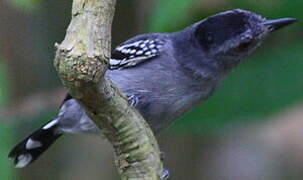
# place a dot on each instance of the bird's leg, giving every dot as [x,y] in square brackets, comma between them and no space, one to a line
[165,172]
[133,100]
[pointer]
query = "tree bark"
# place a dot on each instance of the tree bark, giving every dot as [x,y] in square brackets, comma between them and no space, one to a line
[81,61]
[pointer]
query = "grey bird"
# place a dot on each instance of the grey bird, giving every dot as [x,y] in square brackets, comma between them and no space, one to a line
[164,75]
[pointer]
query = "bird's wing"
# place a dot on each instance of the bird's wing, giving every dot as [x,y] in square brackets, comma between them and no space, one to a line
[135,51]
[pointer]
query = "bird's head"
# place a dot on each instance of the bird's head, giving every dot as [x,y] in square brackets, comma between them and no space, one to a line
[230,36]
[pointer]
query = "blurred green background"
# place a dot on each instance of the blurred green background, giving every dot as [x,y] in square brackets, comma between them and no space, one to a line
[249,130]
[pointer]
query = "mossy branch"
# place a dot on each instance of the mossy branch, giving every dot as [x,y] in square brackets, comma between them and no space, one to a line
[81,61]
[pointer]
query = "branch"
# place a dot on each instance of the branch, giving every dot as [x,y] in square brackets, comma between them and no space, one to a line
[81,61]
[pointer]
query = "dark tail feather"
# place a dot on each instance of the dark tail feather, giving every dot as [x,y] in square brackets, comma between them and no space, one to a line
[34,145]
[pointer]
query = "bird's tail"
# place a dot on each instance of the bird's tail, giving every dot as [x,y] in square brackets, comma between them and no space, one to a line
[29,149]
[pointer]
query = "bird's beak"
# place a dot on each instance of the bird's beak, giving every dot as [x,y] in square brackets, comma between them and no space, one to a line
[276,24]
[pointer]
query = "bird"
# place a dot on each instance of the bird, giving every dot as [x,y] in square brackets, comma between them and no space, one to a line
[163,75]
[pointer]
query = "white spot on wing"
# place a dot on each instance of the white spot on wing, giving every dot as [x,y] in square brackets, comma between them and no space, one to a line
[139,53]
[154,51]
[135,44]
[23,160]
[50,124]
[152,46]
[31,144]
[119,48]
[159,46]
[114,62]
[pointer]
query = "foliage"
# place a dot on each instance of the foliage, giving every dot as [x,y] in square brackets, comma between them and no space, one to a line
[3,84]
[27,5]
[5,130]
[169,13]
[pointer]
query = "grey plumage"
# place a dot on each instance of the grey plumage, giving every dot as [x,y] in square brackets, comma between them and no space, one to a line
[167,74]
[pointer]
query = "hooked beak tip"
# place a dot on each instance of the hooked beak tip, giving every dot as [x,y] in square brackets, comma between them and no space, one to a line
[276,24]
